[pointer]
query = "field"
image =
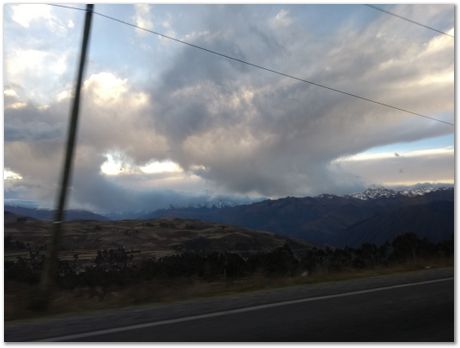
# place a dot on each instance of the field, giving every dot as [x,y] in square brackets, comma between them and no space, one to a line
[155,238]
[115,264]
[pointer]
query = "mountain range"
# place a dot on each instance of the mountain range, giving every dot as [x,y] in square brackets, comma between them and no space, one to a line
[47,214]
[374,216]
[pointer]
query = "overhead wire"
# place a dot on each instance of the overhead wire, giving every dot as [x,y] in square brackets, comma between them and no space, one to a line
[408,20]
[258,66]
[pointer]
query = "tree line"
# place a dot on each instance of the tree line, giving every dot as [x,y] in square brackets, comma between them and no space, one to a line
[118,267]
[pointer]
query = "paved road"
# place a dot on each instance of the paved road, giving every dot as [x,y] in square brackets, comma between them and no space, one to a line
[410,308]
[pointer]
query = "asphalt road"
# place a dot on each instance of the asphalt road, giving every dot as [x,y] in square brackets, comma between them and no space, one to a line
[404,309]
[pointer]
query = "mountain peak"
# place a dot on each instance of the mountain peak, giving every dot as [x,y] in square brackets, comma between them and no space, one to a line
[375,192]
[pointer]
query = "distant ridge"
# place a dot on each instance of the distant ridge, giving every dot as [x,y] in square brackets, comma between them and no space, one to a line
[412,191]
[374,216]
[47,214]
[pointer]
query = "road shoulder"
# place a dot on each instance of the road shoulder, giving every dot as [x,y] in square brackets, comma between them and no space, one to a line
[37,329]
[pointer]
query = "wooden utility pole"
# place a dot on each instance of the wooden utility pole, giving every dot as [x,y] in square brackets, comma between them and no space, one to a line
[51,262]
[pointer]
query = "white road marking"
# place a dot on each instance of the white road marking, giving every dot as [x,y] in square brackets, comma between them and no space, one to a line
[235,311]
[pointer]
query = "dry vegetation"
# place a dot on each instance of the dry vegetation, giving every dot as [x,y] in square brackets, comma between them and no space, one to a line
[124,263]
[17,295]
[145,238]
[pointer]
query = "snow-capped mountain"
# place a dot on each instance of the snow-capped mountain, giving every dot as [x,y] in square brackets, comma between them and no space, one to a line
[374,192]
[376,215]
[421,189]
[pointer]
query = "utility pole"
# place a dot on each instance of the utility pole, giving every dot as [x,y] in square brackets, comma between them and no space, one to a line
[51,262]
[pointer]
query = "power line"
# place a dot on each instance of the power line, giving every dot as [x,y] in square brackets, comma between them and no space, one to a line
[408,20]
[259,66]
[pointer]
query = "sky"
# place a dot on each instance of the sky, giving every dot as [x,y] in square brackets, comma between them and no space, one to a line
[163,123]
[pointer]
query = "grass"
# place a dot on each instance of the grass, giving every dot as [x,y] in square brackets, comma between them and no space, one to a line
[18,295]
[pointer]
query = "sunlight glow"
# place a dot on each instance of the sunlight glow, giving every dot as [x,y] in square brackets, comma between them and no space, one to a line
[157,167]
[10,93]
[106,87]
[366,156]
[113,165]
[16,105]
[118,164]
[9,175]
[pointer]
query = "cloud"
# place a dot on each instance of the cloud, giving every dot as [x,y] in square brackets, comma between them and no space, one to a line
[283,138]
[115,165]
[446,151]
[9,175]
[143,17]
[105,88]
[211,125]
[24,15]
[40,50]
[39,72]
[113,116]
[9,92]
[39,15]
[156,167]
[430,165]
[281,19]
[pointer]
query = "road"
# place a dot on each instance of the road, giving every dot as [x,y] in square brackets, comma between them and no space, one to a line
[403,308]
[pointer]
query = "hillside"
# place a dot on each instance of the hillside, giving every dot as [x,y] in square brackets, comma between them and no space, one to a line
[146,238]
[375,216]
[339,221]
[47,214]
[432,220]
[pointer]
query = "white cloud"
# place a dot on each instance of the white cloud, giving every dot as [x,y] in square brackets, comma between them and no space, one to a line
[16,105]
[197,35]
[281,20]
[24,61]
[165,41]
[63,95]
[25,14]
[156,167]
[105,87]
[439,43]
[118,163]
[446,77]
[9,175]
[38,72]
[115,165]
[406,168]
[143,17]
[108,90]
[10,93]
[166,23]
[12,100]
[369,156]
